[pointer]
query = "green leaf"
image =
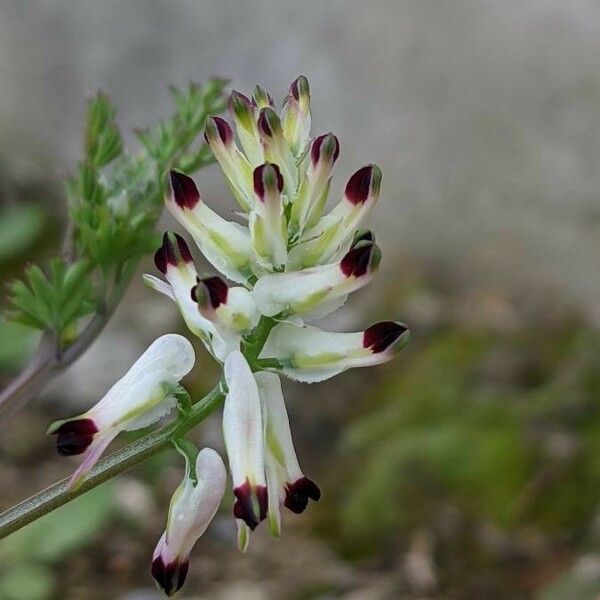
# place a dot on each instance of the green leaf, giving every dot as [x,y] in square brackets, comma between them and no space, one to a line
[63,531]
[18,342]
[20,227]
[26,581]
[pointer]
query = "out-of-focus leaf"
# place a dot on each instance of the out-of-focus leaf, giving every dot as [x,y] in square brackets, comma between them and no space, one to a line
[20,227]
[63,531]
[26,581]
[18,342]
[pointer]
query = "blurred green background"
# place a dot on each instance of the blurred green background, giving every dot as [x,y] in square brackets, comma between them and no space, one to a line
[468,468]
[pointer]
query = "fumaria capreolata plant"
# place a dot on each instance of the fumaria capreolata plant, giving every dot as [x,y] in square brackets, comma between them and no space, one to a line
[288,263]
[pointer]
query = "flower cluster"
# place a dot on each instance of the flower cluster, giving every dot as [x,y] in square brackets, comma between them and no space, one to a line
[291,264]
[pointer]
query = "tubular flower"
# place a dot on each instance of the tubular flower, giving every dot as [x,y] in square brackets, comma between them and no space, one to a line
[242,430]
[310,354]
[287,486]
[193,506]
[317,291]
[146,393]
[226,245]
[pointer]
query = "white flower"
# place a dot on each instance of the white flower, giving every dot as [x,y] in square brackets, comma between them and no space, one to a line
[226,245]
[316,291]
[287,486]
[310,354]
[243,433]
[192,508]
[145,394]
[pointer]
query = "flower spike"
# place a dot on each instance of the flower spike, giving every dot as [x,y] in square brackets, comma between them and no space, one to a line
[226,245]
[268,226]
[287,485]
[295,116]
[145,394]
[192,508]
[317,291]
[235,166]
[309,354]
[242,430]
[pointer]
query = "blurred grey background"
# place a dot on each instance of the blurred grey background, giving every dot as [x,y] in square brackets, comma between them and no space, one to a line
[482,113]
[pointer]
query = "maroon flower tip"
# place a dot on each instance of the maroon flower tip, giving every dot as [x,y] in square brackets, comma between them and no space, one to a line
[298,493]
[364,183]
[260,97]
[218,126]
[171,577]
[299,87]
[74,437]
[244,507]
[173,251]
[381,336]
[183,190]
[325,146]
[268,122]
[239,104]
[362,258]
[266,176]
[217,291]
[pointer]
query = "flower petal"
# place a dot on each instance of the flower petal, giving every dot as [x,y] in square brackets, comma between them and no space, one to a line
[242,430]
[141,397]
[268,225]
[235,166]
[295,116]
[308,207]
[310,354]
[244,115]
[226,245]
[316,291]
[191,510]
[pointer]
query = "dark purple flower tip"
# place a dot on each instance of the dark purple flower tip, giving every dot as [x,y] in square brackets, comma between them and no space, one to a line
[249,502]
[74,437]
[217,291]
[262,98]
[183,190]
[174,251]
[170,578]
[239,105]
[362,258]
[267,177]
[299,88]
[325,147]
[216,126]
[268,122]
[298,493]
[363,184]
[385,335]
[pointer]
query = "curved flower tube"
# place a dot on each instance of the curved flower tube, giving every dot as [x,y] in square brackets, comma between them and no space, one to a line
[145,394]
[316,291]
[310,354]
[242,430]
[226,245]
[287,486]
[193,506]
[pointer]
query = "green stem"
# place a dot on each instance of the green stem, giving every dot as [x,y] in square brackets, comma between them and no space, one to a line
[59,493]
